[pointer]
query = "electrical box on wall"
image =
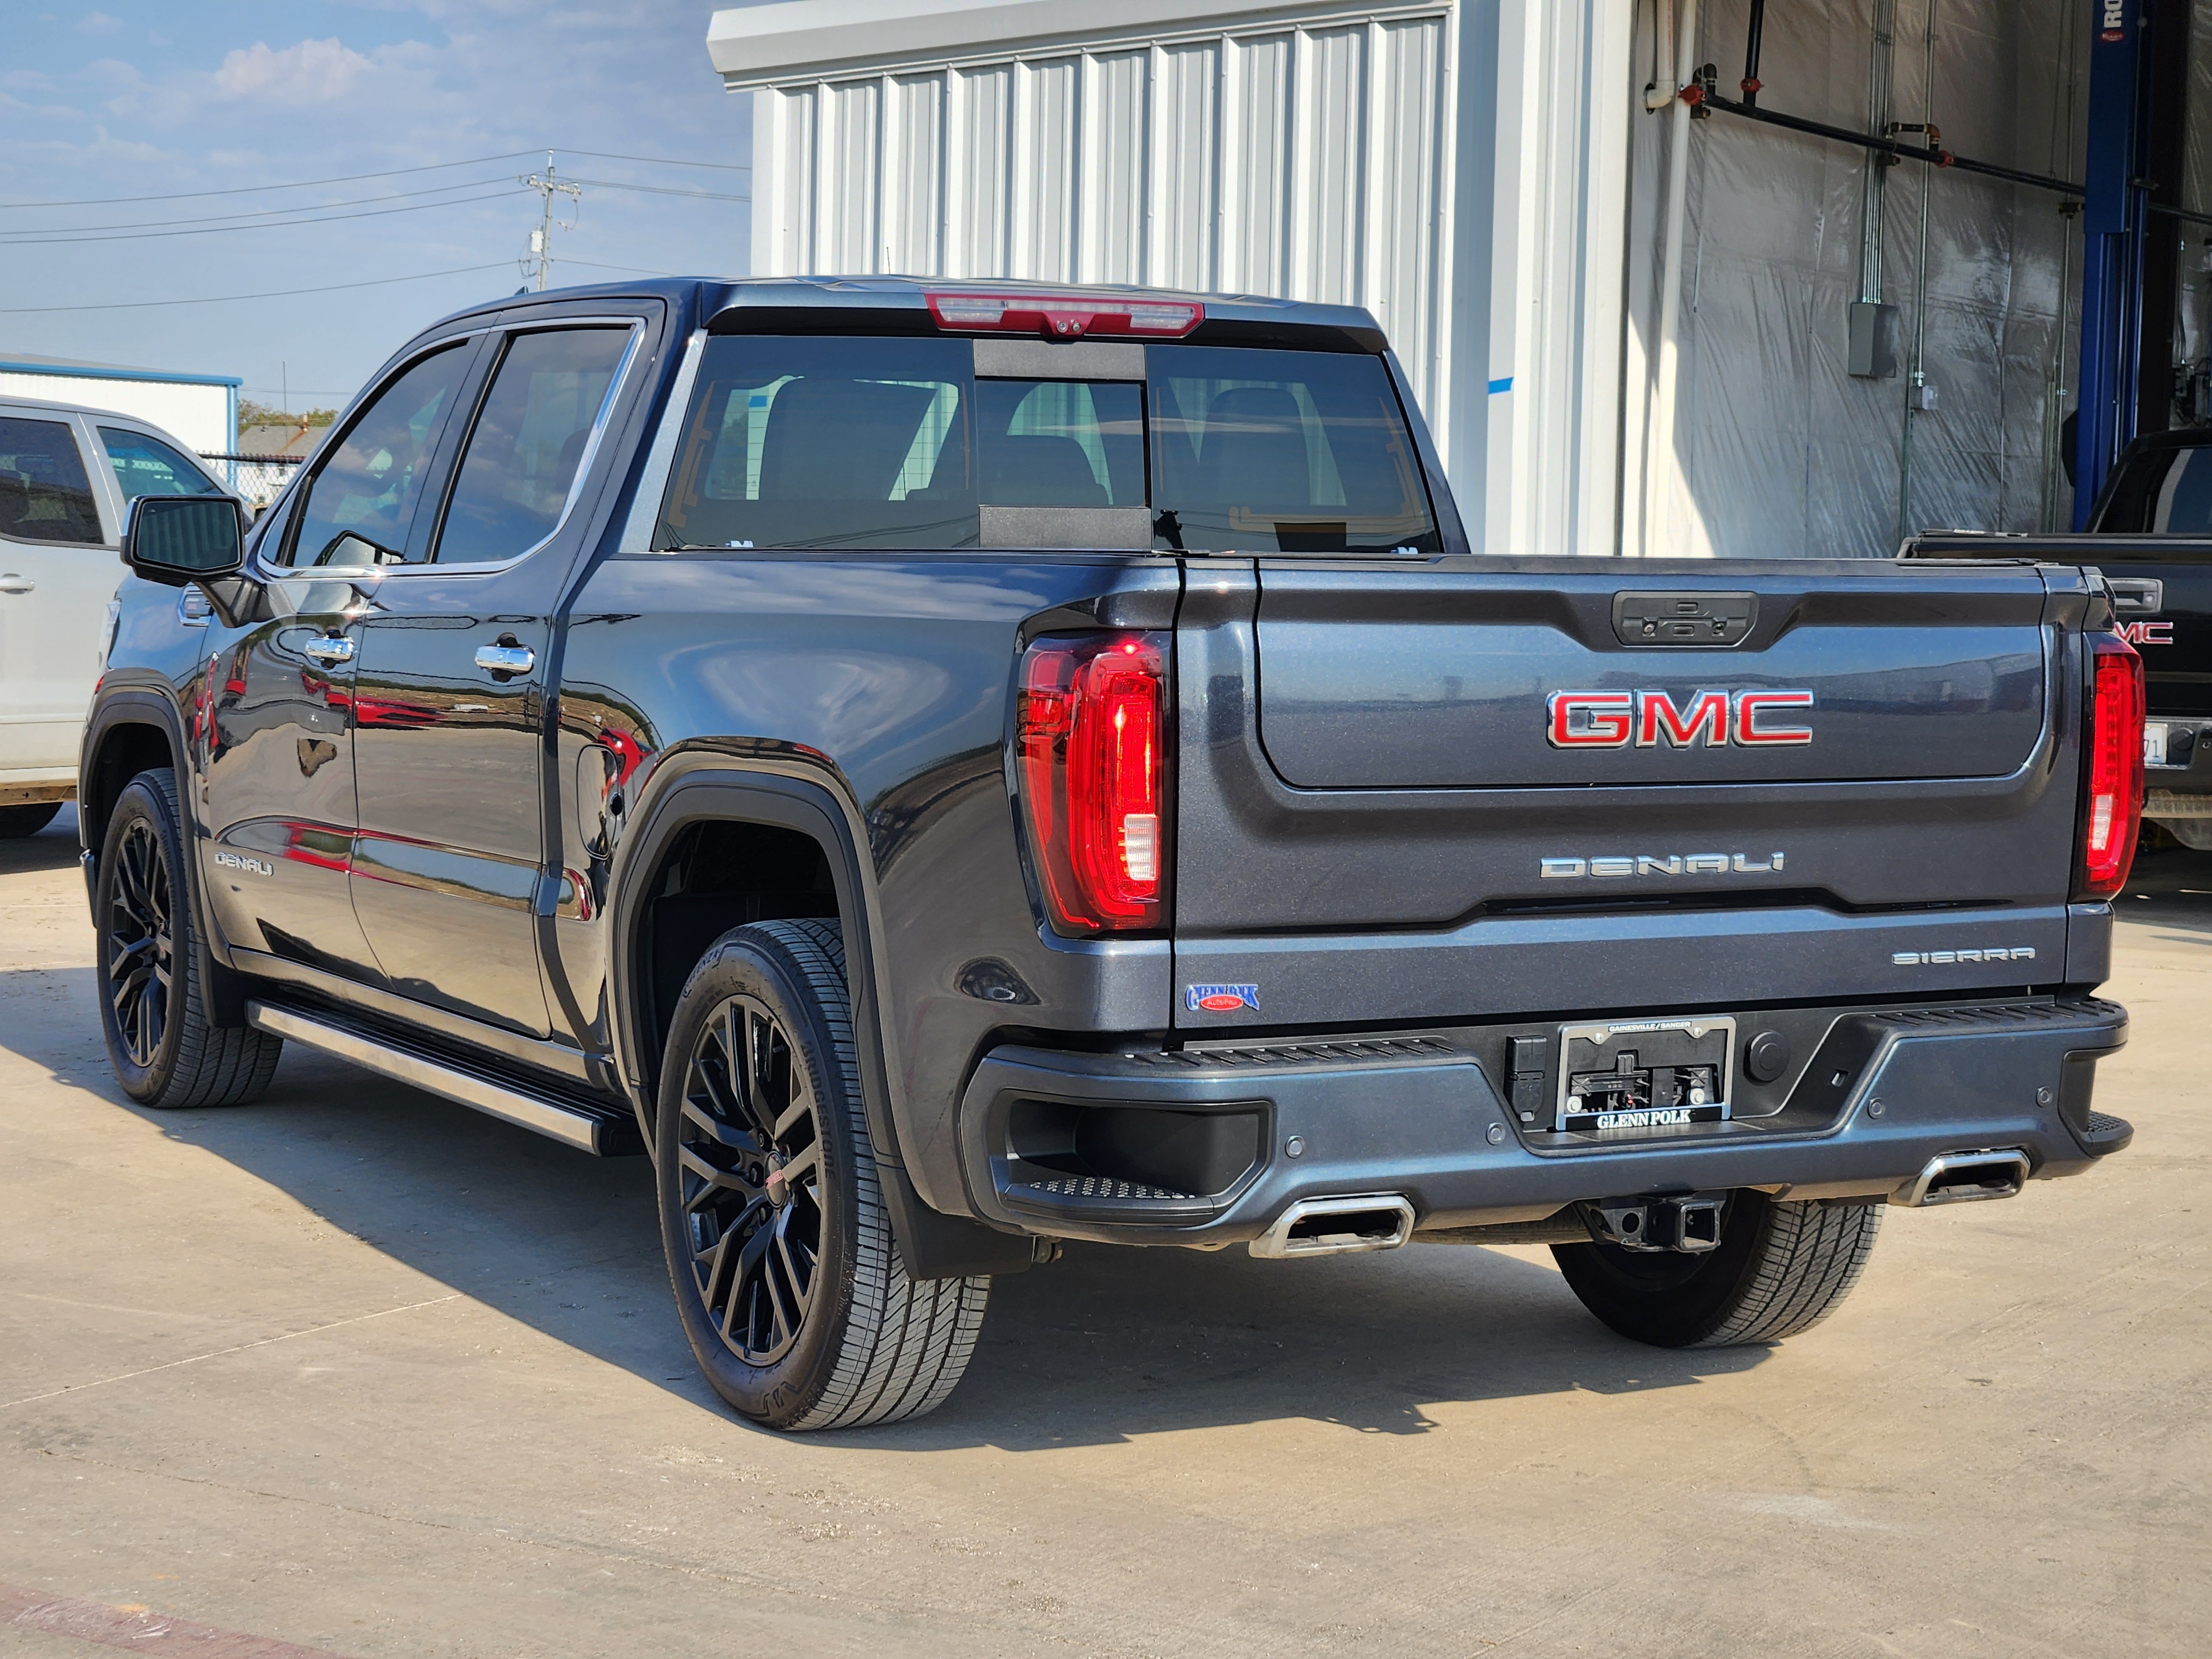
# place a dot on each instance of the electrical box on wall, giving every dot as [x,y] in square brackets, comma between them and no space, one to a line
[1873,353]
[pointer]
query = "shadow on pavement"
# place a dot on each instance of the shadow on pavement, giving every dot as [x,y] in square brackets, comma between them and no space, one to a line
[53,848]
[1102,1346]
[2170,886]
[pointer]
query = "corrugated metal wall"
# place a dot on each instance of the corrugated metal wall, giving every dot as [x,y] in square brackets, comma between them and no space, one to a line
[1310,162]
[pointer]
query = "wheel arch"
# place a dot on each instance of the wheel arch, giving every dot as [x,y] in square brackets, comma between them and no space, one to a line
[710,790]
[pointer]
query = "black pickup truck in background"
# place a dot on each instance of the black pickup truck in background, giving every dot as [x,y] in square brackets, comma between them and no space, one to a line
[2151,535]
[947,771]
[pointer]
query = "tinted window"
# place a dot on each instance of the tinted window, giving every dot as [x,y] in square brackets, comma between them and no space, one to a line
[892,443]
[826,443]
[147,466]
[1061,443]
[45,494]
[368,491]
[1291,452]
[529,441]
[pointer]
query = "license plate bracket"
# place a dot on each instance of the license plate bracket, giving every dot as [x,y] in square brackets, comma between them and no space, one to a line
[1644,1074]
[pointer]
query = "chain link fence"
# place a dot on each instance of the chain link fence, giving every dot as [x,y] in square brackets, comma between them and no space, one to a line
[258,478]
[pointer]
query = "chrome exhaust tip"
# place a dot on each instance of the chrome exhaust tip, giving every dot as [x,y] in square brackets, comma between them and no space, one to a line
[1966,1178]
[1337,1226]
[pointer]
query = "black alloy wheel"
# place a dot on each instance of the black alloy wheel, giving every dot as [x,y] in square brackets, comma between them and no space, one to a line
[790,1284]
[153,971]
[141,943]
[749,1151]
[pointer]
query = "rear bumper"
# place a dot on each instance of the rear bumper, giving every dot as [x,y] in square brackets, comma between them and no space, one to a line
[1883,1091]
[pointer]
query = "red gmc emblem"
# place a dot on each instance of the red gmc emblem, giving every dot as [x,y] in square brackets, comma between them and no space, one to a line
[1650,719]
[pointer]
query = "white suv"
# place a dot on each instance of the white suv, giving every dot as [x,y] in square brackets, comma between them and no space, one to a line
[67,476]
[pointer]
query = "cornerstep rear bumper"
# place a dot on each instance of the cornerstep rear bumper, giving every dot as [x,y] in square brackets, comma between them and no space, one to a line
[1208,1146]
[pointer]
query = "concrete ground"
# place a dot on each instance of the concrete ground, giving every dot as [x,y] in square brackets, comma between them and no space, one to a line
[361,1371]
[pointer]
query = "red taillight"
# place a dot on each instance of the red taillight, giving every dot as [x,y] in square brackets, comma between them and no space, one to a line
[1090,762]
[2111,798]
[1065,317]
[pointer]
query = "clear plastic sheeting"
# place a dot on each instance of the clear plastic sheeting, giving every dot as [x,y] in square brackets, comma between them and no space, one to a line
[1779,450]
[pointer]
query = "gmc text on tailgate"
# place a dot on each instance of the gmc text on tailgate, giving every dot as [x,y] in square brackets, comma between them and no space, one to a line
[946,770]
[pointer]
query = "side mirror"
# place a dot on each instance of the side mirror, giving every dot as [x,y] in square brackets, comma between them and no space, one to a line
[177,540]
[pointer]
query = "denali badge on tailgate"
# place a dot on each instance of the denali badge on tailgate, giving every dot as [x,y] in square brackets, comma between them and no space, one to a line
[1649,719]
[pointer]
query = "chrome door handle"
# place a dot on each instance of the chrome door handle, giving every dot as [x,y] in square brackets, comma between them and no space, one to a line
[330,650]
[12,583]
[505,659]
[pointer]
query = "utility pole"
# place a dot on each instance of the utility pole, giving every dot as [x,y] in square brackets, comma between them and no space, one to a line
[547,186]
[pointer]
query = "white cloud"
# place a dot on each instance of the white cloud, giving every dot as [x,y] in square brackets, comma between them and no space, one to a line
[99,22]
[311,72]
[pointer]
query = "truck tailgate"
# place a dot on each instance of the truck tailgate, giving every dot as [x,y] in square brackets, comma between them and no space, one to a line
[1483,785]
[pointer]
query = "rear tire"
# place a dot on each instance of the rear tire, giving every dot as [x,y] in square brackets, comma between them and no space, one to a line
[1780,1268]
[152,1004]
[17,822]
[791,1288]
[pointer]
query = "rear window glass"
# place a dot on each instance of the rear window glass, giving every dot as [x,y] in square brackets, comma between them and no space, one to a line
[1288,452]
[895,443]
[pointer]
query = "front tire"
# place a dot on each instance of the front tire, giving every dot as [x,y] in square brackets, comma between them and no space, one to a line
[1780,1268]
[792,1290]
[153,1009]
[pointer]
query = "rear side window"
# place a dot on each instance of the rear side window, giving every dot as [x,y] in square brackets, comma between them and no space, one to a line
[147,466]
[360,503]
[545,402]
[830,442]
[44,493]
[1282,452]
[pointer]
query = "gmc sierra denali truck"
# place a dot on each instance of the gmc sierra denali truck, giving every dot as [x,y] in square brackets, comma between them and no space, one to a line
[946,770]
[2150,534]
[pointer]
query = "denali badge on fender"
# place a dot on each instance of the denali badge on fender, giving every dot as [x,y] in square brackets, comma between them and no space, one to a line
[1614,720]
[1647,863]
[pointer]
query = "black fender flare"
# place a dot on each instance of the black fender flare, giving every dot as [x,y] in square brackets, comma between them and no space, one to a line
[224,989]
[711,786]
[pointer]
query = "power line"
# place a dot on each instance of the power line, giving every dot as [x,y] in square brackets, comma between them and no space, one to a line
[257,213]
[248,190]
[655,160]
[663,189]
[387,172]
[273,293]
[279,224]
[642,270]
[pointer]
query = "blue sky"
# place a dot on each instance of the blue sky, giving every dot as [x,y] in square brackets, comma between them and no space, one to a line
[210,95]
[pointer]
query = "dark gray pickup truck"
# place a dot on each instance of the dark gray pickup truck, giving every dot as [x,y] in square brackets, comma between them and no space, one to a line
[2150,538]
[950,770]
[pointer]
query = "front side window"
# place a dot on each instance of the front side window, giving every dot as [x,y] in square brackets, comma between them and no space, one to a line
[46,494]
[362,502]
[529,441]
[147,466]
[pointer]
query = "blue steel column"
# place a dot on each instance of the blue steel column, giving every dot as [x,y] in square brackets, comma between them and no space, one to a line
[2111,250]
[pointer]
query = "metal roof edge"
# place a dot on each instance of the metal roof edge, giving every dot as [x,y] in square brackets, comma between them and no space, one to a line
[90,372]
[782,41]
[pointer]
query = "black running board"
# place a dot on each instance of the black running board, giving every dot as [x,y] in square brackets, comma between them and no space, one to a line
[606,1130]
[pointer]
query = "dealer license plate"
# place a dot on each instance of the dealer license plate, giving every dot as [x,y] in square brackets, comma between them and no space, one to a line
[1644,1074]
[2154,742]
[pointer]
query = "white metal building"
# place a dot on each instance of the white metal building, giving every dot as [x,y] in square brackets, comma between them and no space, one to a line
[200,408]
[1483,175]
